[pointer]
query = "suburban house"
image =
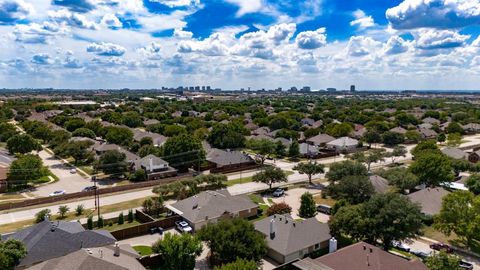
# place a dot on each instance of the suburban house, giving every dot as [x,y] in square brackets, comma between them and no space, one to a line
[150,122]
[212,206]
[48,240]
[399,130]
[471,128]
[431,121]
[427,133]
[101,148]
[228,160]
[429,199]
[157,139]
[359,256]
[307,150]
[343,144]
[454,153]
[113,257]
[154,167]
[320,140]
[380,184]
[3,179]
[289,240]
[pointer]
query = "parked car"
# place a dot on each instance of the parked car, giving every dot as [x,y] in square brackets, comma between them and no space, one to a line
[154,230]
[325,209]
[73,171]
[278,192]
[465,265]
[401,246]
[57,193]
[420,254]
[183,226]
[441,246]
[89,188]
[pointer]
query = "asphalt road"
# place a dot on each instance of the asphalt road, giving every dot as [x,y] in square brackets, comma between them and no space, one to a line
[5,158]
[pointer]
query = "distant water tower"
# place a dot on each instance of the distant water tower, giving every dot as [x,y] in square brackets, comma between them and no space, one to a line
[352,88]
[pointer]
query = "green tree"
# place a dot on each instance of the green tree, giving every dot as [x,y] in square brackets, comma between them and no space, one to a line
[392,138]
[130,216]
[442,261]
[119,135]
[58,138]
[231,135]
[79,210]
[352,188]
[401,178]
[454,127]
[371,137]
[138,176]
[7,131]
[42,215]
[280,149]
[339,170]
[132,119]
[26,168]
[183,152]
[100,222]
[11,252]
[413,136]
[385,217]
[432,169]
[441,137]
[84,132]
[112,162]
[369,157]
[398,151]
[238,264]
[473,183]
[309,168]
[270,175]
[121,219]
[307,206]
[264,148]
[425,146]
[90,223]
[22,143]
[230,240]
[460,213]
[79,151]
[63,210]
[178,251]
[294,149]
[454,139]
[74,123]
[339,130]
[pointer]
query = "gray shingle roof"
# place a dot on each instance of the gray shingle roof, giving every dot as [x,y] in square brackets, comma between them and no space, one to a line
[320,139]
[292,236]
[145,162]
[430,199]
[454,153]
[211,204]
[43,243]
[223,158]
[379,183]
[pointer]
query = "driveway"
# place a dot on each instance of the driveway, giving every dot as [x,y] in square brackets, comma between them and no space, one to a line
[70,182]
[292,198]
[5,158]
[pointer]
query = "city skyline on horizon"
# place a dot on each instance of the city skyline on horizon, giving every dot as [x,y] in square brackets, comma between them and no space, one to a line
[147,44]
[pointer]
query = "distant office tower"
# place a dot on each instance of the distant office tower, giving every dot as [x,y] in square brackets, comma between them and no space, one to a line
[352,88]
[331,89]
[203,88]
[209,88]
[293,89]
[306,89]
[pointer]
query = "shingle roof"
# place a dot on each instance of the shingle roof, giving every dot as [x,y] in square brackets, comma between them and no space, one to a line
[343,142]
[145,162]
[399,130]
[321,139]
[363,256]
[211,204]
[430,199]
[292,236]
[156,138]
[454,153]
[44,243]
[223,158]
[94,259]
[379,183]
[307,149]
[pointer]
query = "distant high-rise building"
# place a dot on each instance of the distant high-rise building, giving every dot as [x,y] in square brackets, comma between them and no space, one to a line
[203,88]
[352,88]
[209,88]
[293,89]
[331,89]
[306,89]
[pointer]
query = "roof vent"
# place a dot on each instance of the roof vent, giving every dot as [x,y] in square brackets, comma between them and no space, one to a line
[116,250]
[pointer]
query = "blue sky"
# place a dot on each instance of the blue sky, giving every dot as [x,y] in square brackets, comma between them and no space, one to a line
[375,44]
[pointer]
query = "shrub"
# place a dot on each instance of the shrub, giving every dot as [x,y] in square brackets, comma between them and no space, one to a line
[63,210]
[130,216]
[279,209]
[121,219]
[40,216]
[79,210]
[90,223]
[100,222]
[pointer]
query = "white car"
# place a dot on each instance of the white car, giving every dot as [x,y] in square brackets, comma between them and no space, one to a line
[57,193]
[183,226]
[401,246]
[72,171]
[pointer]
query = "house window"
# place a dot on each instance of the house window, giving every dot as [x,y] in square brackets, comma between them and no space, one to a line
[317,246]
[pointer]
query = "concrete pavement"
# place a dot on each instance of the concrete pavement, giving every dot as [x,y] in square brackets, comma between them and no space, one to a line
[70,182]
[5,158]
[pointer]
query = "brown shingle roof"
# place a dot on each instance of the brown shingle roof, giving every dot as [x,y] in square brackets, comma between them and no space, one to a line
[430,199]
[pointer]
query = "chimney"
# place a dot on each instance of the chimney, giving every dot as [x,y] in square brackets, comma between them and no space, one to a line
[100,251]
[116,250]
[151,164]
[332,245]
[272,228]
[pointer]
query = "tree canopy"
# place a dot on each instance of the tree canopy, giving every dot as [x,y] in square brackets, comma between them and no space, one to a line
[309,168]
[11,252]
[270,175]
[178,251]
[22,143]
[432,168]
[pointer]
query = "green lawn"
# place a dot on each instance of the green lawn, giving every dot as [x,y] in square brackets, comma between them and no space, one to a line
[143,250]
[256,198]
